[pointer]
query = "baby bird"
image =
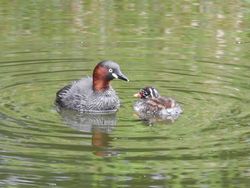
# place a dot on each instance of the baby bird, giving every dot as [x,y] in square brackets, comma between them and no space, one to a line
[152,105]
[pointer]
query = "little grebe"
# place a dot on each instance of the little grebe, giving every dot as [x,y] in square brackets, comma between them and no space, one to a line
[151,104]
[93,94]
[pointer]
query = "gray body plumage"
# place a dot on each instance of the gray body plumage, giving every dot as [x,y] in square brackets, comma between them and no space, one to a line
[81,97]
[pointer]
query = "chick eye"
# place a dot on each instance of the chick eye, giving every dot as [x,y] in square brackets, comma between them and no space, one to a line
[110,70]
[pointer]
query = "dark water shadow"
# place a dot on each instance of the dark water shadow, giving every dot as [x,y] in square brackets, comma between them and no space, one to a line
[99,125]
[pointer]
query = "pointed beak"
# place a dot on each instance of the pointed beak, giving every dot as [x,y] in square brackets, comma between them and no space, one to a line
[121,76]
[138,95]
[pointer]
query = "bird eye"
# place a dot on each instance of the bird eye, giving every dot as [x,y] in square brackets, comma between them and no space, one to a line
[110,70]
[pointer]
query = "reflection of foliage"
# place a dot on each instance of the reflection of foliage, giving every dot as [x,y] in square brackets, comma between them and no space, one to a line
[191,23]
[170,44]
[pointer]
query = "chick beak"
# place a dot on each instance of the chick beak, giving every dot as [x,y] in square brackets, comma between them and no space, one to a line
[138,95]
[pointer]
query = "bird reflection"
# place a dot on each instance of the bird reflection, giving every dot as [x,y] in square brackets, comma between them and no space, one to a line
[151,119]
[99,125]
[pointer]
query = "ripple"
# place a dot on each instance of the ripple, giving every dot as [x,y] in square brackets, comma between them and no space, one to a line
[38,61]
[32,129]
[196,52]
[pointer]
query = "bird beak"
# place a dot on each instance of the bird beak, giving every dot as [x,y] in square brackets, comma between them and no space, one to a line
[121,76]
[138,95]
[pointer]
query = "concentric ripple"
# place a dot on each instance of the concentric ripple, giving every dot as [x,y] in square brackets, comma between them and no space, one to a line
[196,52]
[34,135]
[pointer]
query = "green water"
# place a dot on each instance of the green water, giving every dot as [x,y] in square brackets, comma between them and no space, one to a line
[194,51]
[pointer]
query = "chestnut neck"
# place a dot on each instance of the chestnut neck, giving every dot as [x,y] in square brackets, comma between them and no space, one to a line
[100,80]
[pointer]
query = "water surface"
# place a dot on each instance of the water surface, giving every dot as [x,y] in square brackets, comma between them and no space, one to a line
[194,51]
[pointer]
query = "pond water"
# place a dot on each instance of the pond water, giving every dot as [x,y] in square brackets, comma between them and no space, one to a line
[194,51]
